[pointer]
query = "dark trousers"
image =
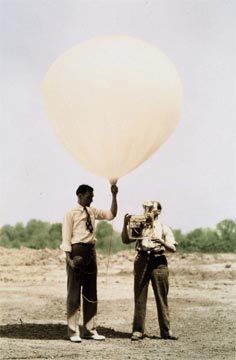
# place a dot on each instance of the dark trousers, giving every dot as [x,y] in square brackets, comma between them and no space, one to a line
[83,279]
[146,268]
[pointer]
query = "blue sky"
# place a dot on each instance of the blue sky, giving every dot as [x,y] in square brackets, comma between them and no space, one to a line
[193,174]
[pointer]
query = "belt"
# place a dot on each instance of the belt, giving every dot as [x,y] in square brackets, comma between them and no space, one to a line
[150,252]
[87,245]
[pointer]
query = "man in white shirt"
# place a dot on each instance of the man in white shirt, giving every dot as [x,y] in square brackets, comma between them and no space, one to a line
[78,242]
[151,265]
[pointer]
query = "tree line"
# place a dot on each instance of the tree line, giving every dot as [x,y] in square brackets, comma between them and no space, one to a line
[38,234]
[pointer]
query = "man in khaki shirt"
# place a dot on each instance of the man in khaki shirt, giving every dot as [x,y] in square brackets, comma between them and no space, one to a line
[151,265]
[78,242]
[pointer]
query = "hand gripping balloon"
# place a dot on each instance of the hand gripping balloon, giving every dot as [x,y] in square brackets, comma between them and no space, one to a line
[112,102]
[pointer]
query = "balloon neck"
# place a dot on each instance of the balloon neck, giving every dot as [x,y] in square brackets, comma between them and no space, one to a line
[113,181]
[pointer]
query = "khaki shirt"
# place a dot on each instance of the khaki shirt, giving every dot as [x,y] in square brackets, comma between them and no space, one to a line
[159,231]
[74,226]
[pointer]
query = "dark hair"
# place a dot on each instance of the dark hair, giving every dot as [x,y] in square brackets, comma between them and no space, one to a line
[159,207]
[83,189]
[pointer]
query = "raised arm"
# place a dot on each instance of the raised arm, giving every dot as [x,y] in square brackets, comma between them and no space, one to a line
[114,191]
[124,234]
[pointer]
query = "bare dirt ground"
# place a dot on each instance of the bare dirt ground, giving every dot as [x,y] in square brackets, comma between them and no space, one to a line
[33,320]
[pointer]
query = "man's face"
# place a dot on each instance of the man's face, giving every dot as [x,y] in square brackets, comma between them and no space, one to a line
[156,212]
[86,198]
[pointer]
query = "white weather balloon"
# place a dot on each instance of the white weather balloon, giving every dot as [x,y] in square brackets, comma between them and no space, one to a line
[112,102]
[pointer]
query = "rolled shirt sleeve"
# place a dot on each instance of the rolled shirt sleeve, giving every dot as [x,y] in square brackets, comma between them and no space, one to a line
[67,232]
[169,236]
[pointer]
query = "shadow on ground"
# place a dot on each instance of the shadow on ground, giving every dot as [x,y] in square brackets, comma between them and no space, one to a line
[50,332]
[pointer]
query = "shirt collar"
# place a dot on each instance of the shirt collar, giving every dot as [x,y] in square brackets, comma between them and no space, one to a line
[80,207]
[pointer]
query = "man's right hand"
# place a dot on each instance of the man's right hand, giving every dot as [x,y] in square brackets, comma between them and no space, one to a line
[124,234]
[126,219]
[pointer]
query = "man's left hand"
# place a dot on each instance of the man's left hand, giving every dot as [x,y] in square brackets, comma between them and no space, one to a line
[156,240]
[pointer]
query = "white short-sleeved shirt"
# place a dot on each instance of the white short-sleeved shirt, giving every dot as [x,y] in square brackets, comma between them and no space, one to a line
[160,231]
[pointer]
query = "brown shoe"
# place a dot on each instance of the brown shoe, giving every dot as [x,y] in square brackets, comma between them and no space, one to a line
[169,337]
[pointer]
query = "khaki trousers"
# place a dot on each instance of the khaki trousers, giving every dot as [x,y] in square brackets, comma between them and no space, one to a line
[146,268]
[82,281]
